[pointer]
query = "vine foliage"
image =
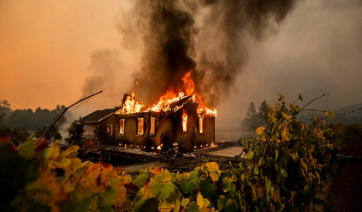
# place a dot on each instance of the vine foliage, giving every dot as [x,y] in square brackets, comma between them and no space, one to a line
[282,170]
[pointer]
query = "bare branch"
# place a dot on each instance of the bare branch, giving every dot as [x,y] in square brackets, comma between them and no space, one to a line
[39,141]
[324,94]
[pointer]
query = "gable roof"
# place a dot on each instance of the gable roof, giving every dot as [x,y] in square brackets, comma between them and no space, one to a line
[97,116]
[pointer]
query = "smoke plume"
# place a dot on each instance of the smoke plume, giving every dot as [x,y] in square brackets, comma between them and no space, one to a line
[105,73]
[208,37]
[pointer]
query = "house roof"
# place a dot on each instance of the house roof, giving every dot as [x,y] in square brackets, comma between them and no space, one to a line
[97,116]
[179,104]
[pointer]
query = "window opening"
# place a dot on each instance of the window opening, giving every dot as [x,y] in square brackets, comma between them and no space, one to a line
[184,121]
[121,126]
[109,129]
[140,126]
[153,126]
[201,125]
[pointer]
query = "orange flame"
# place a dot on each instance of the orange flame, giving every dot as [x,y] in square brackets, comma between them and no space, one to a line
[184,121]
[163,104]
[189,84]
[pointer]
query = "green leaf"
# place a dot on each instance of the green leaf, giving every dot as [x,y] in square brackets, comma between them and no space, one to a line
[250,155]
[185,202]
[27,149]
[269,191]
[187,186]
[221,202]
[207,189]
[231,206]
[300,97]
[227,183]
[276,154]
[162,190]
[145,205]
[193,207]
[256,170]
[140,180]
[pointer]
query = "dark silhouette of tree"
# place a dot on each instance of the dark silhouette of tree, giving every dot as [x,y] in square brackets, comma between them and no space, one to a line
[17,136]
[255,119]
[76,132]
[5,103]
[29,119]
[102,135]
[262,113]
[51,136]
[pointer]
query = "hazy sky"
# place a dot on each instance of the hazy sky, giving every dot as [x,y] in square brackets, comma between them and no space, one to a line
[50,50]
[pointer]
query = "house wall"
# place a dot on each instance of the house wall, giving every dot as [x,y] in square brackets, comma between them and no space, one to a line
[90,127]
[192,138]
[164,123]
[168,129]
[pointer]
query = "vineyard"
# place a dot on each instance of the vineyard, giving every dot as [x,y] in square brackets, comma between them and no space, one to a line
[283,170]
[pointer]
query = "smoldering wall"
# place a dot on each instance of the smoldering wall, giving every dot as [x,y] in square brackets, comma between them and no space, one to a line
[209,37]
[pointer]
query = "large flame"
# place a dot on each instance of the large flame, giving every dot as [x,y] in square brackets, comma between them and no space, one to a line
[130,105]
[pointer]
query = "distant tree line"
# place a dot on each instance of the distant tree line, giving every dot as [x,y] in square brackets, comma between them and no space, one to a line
[27,118]
[254,118]
[17,123]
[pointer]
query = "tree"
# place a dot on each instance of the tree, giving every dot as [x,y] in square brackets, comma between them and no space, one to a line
[17,135]
[102,135]
[51,136]
[76,131]
[251,110]
[255,119]
[5,103]
[250,121]
[263,113]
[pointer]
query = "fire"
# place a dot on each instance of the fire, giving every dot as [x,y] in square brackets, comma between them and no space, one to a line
[189,84]
[159,147]
[184,121]
[201,125]
[130,105]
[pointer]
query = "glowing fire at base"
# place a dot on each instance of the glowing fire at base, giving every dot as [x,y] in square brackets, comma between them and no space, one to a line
[159,147]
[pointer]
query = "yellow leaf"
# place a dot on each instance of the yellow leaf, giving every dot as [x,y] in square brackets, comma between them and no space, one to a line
[281,97]
[201,202]
[295,156]
[286,116]
[260,130]
[262,138]
[285,135]
[320,134]
[212,167]
[214,176]
[330,146]
[329,114]
[199,199]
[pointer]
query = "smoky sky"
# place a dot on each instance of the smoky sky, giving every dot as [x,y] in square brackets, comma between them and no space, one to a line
[207,37]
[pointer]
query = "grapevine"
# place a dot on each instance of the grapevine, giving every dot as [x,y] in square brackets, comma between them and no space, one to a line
[282,171]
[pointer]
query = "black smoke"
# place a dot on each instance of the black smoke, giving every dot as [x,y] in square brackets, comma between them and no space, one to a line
[209,37]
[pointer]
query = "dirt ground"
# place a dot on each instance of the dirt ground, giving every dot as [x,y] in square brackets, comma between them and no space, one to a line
[346,191]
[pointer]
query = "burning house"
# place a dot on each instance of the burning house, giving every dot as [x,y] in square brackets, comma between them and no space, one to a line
[181,119]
